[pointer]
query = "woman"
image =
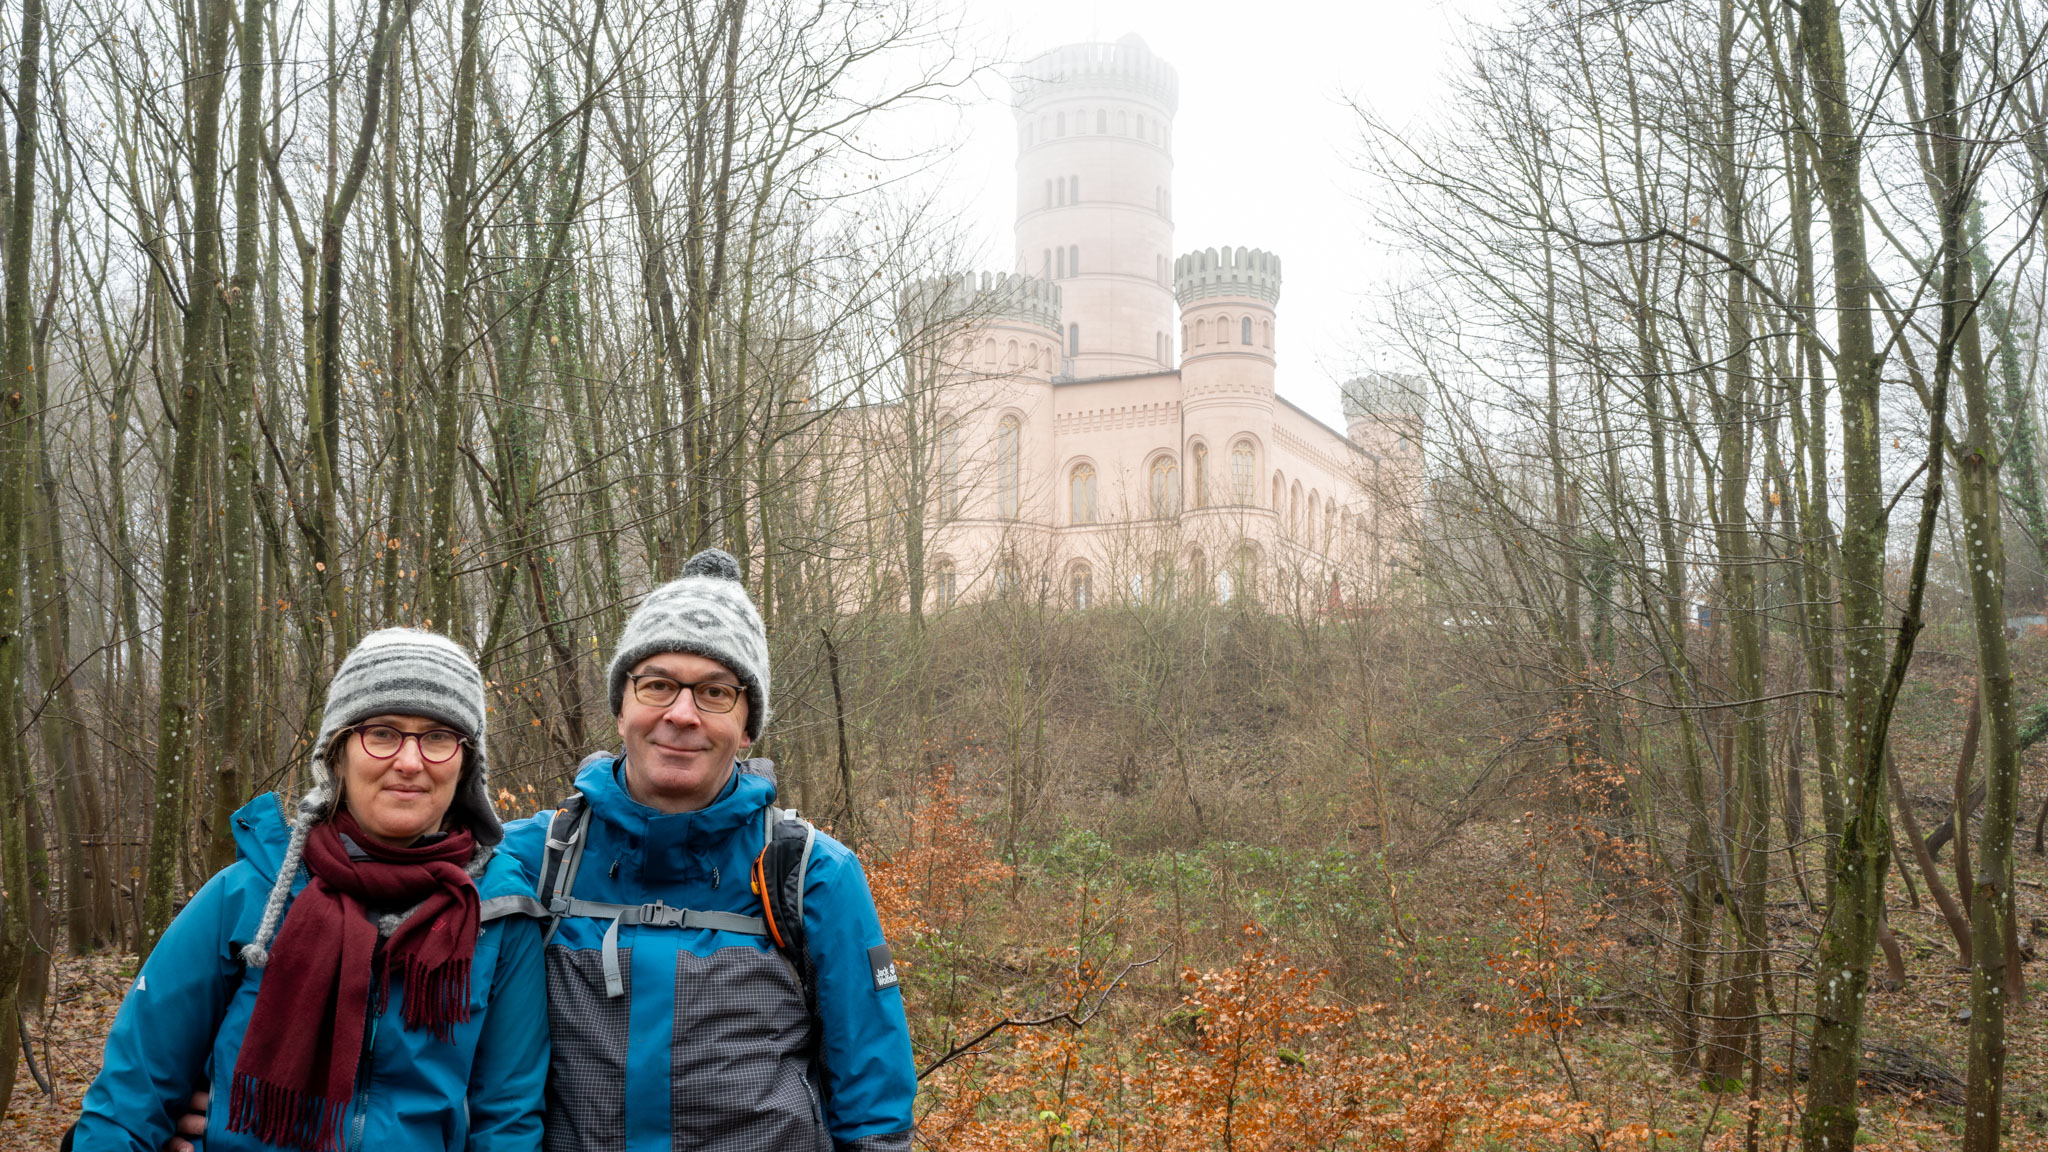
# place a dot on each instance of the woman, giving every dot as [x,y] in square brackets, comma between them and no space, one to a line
[339,984]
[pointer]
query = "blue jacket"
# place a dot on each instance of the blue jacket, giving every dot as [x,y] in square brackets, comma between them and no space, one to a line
[710,1046]
[181,1026]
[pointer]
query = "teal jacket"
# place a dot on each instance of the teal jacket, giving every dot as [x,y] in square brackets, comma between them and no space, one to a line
[709,1045]
[181,1026]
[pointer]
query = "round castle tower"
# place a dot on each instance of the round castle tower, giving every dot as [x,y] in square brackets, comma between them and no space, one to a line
[1094,199]
[1226,300]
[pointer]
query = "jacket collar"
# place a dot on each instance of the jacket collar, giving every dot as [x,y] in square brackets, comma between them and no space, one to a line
[668,843]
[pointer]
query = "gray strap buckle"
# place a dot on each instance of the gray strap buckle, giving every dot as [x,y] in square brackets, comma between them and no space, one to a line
[661,915]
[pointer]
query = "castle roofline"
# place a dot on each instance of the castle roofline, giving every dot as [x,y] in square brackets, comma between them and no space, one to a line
[1128,64]
[1231,273]
[987,298]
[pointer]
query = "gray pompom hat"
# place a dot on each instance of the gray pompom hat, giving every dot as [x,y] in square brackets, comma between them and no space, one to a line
[705,612]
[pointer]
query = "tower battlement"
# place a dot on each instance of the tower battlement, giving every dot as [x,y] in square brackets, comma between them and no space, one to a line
[1238,273]
[991,296]
[1127,64]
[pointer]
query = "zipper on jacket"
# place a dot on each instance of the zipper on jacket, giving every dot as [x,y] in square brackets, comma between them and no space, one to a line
[359,1109]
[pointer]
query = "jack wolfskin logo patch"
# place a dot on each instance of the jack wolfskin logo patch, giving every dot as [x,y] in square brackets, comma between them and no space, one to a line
[883,966]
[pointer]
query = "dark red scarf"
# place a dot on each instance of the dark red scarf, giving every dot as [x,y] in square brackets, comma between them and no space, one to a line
[297,1069]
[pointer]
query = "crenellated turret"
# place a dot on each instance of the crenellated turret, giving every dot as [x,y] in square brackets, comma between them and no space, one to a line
[1127,64]
[992,297]
[1242,273]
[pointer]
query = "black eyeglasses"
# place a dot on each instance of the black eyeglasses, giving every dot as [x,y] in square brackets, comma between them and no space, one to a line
[383,741]
[658,691]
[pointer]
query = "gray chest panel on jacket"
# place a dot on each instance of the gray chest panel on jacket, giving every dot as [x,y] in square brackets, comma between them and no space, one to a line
[738,1068]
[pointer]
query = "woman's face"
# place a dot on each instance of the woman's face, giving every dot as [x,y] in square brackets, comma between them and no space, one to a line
[399,797]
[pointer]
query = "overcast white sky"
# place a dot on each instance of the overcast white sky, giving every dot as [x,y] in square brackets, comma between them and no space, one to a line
[1261,142]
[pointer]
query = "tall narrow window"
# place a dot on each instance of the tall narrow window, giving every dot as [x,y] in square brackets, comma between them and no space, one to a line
[1241,472]
[1073,259]
[1074,339]
[1308,520]
[1081,585]
[1048,193]
[1060,187]
[1329,526]
[1201,477]
[1081,495]
[1165,487]
[1246,338]
[1059,263]
[1267,332]
[945,585]
[1198,573]
[1102,122]
[1009,463]
[1123,123]
[1279,496]
[950,494]
[1073,189]
[1063,123]
[1046,270]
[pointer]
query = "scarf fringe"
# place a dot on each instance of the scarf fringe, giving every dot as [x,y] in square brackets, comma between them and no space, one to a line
[437,998]
[284,1117]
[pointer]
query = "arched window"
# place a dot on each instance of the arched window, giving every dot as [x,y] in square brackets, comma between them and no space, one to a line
[1160,579]
[945,586]
[1101,122]
[1010,355]
[1279,498]
[1201,477]
[1080,585]
[1198,573]
[1223,329]
[1123,123]
[1246,338]
[1009,465]
[1165,487]
[1241,472]
[1308,522]
[1081,495]
[1063,123]
[1245,572]
[1073,189]
[1045,268]
[1074,339]
[1048,193]
[1201,332]
[1266,328]
[1073,259]
[988,352]
[1294,512]
[1059,263]
[1224,589]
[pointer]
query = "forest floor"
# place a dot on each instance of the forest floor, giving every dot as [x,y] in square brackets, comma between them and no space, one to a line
[1449,980]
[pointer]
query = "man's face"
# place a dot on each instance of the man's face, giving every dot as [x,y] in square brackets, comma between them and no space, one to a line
[678,757]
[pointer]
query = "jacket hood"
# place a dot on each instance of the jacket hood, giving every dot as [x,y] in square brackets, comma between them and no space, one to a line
[261,833]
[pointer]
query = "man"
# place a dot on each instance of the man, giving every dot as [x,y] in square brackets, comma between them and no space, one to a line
[670,1034]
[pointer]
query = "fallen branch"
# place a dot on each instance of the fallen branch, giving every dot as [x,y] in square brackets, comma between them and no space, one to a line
[1069,1016]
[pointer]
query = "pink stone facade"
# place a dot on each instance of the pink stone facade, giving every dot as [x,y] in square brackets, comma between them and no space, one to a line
[1113,429]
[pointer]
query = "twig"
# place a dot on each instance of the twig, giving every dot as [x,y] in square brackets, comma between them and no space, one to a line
[28,1053]
[960,1050]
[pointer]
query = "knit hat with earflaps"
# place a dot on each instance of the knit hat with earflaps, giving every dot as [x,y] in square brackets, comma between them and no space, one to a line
[392,672]
[708,613]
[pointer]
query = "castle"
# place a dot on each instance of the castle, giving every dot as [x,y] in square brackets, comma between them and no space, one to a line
[1111,430]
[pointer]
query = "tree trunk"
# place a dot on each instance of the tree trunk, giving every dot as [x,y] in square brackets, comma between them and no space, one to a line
[176,707]
[442,548]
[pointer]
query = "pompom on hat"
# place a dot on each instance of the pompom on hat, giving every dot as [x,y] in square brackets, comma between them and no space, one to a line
[705,612]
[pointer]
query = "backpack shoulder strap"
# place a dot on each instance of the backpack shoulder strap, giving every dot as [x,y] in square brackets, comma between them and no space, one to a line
[560,859]
[780,874]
